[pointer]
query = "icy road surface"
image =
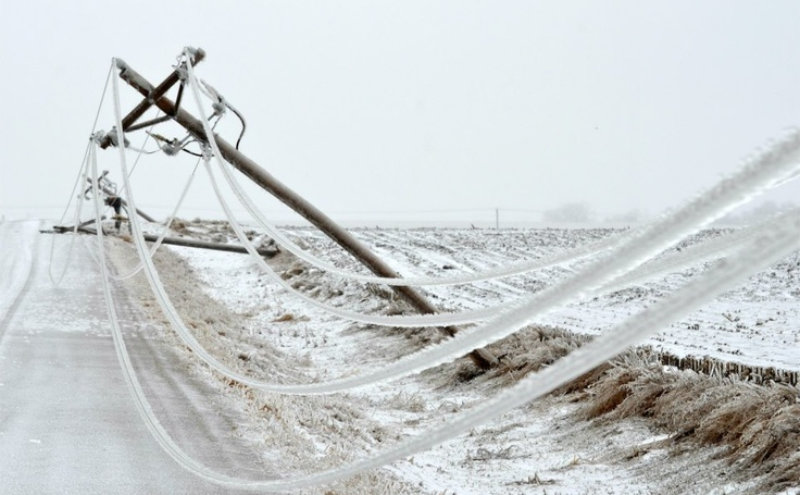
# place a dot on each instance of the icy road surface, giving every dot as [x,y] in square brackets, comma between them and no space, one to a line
[67,421]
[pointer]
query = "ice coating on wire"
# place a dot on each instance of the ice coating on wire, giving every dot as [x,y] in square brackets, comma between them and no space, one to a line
[560,293]
[165,229]
[758,174]
[438,319]
[687,257]
[287,243]
[535,385]
[129,374]
[758,254]
[515,268]
[73,195]
[56,281]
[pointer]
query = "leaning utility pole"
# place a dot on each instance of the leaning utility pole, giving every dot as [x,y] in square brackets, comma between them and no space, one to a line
[155,96]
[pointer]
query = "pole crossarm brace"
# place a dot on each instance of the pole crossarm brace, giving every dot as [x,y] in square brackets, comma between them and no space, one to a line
[151,97]
[266,181]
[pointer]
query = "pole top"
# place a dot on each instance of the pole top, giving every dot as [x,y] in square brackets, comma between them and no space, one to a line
[197,54]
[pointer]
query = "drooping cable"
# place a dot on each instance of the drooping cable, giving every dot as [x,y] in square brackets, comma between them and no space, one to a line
[164,230]
[672,262]
[757,175]
[530,387]
[689,256]
[56,281]
[686,259]
[451,318]
[287,243]
[410,321]
[757,255]
[721,198]
[442,319]
[515,268]
[143,407]
[197,348]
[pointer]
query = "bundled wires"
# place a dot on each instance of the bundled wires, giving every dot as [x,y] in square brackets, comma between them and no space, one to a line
[611,263]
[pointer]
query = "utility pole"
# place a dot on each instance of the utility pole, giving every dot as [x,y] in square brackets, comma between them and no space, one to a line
[497,218]
[155,96]
[174,241]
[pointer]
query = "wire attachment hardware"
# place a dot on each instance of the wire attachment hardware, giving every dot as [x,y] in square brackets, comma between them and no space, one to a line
[113,135]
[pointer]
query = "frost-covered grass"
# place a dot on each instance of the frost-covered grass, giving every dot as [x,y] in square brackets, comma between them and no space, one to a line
[757,427]
[294,434]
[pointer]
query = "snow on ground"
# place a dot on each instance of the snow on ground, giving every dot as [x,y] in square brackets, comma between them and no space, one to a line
[542,448]
[15,263]
[755,324]
[538,449]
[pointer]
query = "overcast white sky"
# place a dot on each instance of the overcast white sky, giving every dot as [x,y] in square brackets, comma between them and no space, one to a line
[404,106]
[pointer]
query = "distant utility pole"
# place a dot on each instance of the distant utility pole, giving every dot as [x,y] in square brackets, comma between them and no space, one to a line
[497,218]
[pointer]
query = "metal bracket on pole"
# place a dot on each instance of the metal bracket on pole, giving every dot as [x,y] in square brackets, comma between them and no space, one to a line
[109,192]
[266,181]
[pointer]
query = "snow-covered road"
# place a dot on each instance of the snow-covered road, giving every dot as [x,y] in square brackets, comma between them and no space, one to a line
[67,421]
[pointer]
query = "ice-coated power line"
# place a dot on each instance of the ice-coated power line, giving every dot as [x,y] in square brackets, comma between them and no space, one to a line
[438,319]
[758,254]
[511,269]
[689,256]
[164,230]
[603,271]
[516,268]
[676,261]
[56,281]
[686,258]
[408,321]
[141,403]
[757,174]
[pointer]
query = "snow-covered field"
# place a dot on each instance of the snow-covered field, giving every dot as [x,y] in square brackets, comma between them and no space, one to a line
[757,324]
[545,447]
